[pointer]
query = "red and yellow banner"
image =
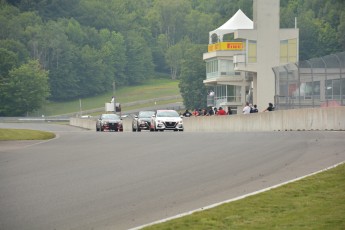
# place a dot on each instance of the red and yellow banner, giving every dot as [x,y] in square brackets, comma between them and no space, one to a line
[226,46]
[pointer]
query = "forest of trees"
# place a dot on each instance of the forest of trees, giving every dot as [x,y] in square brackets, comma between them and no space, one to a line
[76,48]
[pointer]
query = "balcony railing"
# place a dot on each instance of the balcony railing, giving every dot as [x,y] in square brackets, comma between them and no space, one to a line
[220,74]
[224,100]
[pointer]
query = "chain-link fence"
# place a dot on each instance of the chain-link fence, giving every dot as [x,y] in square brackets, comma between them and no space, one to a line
[318,82]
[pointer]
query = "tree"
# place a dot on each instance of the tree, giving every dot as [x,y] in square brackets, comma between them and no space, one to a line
[17,47]
[139,66]
[308,37]
[51,9]
[198,25]
[341,31]
[24,89]
[175,55]
[91,72]
[113,54]
[8,60]
[191,85]
[170,15]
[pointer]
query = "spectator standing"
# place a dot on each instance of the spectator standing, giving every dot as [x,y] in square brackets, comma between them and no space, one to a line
[210,112]
[204,112]
[229,111]
[246,109]
[254,109]
[200,112]
[221,111]
[251,108]
[195,112]
[269,108]
[215,111]
[187,113]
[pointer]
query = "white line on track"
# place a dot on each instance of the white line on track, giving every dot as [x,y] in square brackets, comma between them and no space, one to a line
[233,199]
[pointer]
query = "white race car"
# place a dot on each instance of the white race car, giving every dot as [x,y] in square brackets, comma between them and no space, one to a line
[166,120]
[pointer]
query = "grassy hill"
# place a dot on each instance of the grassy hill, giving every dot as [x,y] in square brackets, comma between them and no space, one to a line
[154,88]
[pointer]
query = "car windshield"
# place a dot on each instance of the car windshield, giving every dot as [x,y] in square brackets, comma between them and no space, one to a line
[110,116]
[171,113]
[146,114]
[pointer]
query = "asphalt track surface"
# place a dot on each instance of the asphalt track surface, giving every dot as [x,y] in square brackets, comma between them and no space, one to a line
[85,179]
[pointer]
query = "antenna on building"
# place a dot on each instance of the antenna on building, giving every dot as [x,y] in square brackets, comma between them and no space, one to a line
[295,22]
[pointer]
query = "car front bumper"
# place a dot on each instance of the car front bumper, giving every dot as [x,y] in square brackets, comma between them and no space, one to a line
[169,126]
[112,126]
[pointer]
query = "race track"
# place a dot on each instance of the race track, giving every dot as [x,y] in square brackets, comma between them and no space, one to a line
[91,180]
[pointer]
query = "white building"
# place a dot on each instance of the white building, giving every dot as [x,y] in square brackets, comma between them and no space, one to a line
[242,53]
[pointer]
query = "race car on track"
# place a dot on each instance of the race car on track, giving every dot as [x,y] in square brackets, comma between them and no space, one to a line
[109,122]
[142,121]
[166,120]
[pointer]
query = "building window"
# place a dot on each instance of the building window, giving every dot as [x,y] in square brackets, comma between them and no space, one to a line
[284,51]
[234,93]
[288,51]
[252,52]
[311,90]
[212,69]
[292,50]
[226,68]
[227,93]
[218,68]
[335,89]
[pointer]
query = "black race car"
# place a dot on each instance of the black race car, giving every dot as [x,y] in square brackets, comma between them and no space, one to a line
[109,122]
[142,121]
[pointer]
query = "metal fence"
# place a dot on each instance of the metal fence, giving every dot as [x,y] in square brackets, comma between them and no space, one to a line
[318,82]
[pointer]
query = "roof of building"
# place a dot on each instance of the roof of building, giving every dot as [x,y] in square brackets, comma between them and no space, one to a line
[238,21]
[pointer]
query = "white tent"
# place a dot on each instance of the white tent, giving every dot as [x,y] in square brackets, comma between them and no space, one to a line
[238,21]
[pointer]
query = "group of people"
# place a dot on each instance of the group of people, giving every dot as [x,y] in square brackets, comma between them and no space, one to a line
[249,108]
[207,112]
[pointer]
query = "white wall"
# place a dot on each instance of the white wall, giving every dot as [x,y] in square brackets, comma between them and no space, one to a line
[332,118]
[283,120]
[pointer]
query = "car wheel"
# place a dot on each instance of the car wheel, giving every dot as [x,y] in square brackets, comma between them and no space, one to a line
[133,129]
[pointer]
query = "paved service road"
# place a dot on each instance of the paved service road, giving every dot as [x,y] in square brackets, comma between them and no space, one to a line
[92,180]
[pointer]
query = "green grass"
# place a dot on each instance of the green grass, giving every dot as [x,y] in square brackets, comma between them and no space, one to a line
[153,104]
[316,202]
[24,134]
[153,88]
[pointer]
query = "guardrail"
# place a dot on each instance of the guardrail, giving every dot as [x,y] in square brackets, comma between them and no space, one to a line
[34,119]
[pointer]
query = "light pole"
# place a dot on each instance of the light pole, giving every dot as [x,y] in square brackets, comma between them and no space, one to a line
[80,107]
[114,97]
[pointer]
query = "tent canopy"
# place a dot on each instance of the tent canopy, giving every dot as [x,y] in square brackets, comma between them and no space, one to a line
[238,21]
